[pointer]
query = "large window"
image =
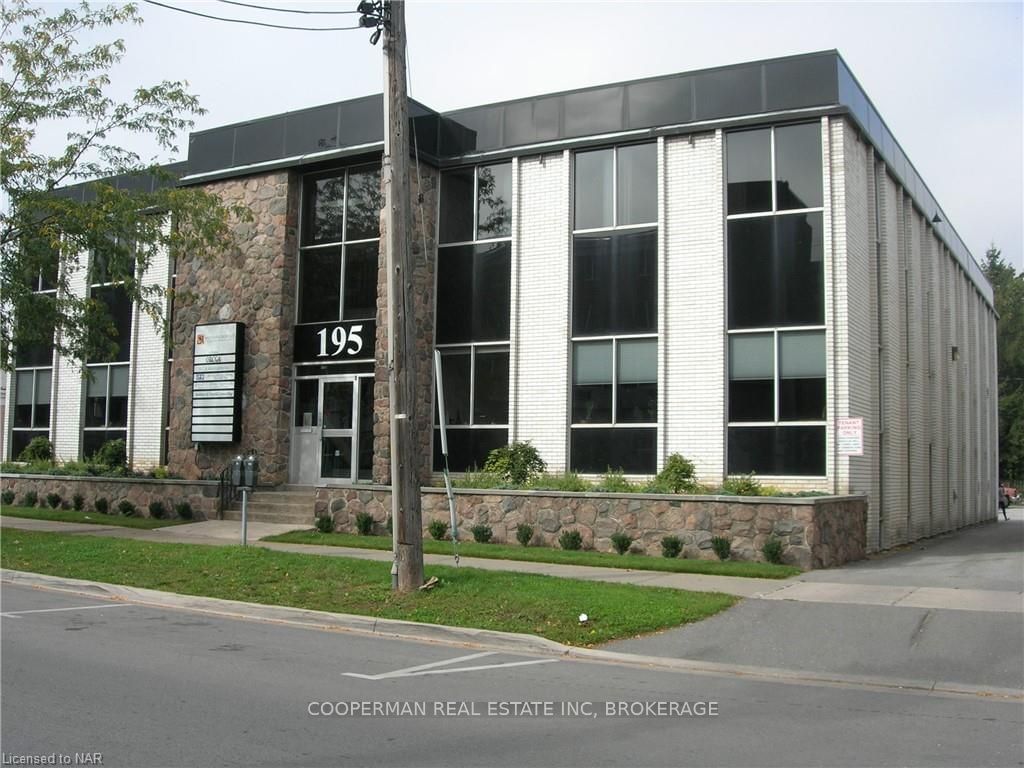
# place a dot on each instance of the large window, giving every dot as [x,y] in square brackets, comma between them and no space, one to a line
[474,265]
[106,386]
[777,403]
[34,368]
[340,239]
[615,311]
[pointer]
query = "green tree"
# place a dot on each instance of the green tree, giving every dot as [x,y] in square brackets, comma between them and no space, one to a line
[50,78]
[1008,287]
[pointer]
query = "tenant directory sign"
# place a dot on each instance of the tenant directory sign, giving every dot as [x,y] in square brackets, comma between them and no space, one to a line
[217,358]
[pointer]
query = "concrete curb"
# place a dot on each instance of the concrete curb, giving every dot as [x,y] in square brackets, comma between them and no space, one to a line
[483,638]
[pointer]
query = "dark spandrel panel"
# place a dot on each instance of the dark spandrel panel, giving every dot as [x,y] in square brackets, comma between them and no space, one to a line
[456,216]
[594,190]
[424,134]
[798,166]
[311,130]
[319,285]
[637,184]
[325,210]
[592,285]
[751,273]
[362,121]
[800,273]
[364,204]
[455,294]
[361,265]
[455,373]
[749,170]
[631,450]
[492,271]
[455,138]
[851,95]
[494,201]
[804,82]
[307,401]
[594,111]
[727,92]
[490,396]
[483,124]
[660,102]
[211,150]
[468,448]
[34,354]
[135,182]
[259,141]
[529,122]
[635,283]
[789,451]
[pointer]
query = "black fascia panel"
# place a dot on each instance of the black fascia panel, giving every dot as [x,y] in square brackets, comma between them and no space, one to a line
[136,182]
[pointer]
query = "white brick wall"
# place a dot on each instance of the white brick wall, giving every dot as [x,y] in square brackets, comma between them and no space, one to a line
[69,388]
[692,342]
[540,335]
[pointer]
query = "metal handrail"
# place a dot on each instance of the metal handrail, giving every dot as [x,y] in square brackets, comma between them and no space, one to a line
[227,491]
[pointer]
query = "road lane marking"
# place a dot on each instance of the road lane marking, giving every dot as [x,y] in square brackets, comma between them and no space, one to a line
[18,614]
[432,667]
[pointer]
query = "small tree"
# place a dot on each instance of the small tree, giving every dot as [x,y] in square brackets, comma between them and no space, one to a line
[517,463]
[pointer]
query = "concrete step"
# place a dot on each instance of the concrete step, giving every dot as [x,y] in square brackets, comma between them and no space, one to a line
[272,516]
[277,506]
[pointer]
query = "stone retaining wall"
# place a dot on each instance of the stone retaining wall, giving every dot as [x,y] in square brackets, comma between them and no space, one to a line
[818,532]
[138,490]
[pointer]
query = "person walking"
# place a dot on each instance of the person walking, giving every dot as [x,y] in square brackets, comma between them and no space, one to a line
[1004,500]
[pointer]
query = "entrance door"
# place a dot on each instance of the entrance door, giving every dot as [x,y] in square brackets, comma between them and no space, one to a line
[335,442]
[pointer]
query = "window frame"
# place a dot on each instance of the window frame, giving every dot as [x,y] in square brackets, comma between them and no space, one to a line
[615,225]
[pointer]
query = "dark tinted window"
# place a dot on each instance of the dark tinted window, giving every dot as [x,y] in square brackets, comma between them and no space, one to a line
[307,401]
[455,294]
[802,376]
[637,184]
[360,281]
[494,201]
[455,373]
[325,210]
[752,377]
[637,396]
[800,271]
[798,166]
[749,167]
[473,289]
[615,283]
[592,383]
[118,308]
[456,217]
[364,205]
[93,440]
[593,188]
[319,285]
[798,451]
[751,272]
[468,448]
[490,401]
[597,450]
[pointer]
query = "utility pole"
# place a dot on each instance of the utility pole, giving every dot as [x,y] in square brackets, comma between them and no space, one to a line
[406,516]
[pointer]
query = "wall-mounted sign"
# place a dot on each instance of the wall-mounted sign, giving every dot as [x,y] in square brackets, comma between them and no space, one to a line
[217,355]
[338,342]
[850,436]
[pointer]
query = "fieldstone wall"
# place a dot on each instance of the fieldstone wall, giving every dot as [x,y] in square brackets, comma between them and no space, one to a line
[819,532]
[252,284]
[202,495]
[424,252]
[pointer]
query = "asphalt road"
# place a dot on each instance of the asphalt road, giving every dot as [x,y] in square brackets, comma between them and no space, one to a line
[154,687]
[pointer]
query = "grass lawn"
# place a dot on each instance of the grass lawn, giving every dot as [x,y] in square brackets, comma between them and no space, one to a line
[71,516]
[551,555]
[466,597]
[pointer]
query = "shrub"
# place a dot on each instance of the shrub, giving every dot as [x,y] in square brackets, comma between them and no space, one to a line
[183,510]
[29,499]
[615,482]
[325,523]
[480,480]
[622,542]
[101,505]
[160,473]
[126,508]
[741,485]
[524,534]
[78,502]
[38,449]
[671,546]
[7,497]
[571,540]
[517,463]
[772,550]
[722,547]
[677,476]
[364,523]
[438,529]
[53,499]
[481,533]
[157,510]
[568,482]
[112,453]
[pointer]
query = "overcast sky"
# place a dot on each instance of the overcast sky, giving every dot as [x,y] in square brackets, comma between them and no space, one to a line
[946,77]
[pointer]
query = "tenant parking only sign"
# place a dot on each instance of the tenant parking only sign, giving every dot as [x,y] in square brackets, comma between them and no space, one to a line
[217,356]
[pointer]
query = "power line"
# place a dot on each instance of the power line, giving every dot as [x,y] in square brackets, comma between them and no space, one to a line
[254,23]
[285,10]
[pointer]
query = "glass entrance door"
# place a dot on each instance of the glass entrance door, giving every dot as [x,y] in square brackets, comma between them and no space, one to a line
[346,428]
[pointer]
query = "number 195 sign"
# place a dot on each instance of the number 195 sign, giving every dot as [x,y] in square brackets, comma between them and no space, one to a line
[335,342]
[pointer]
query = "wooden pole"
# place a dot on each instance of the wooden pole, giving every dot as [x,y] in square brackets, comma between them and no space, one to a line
[402,338]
